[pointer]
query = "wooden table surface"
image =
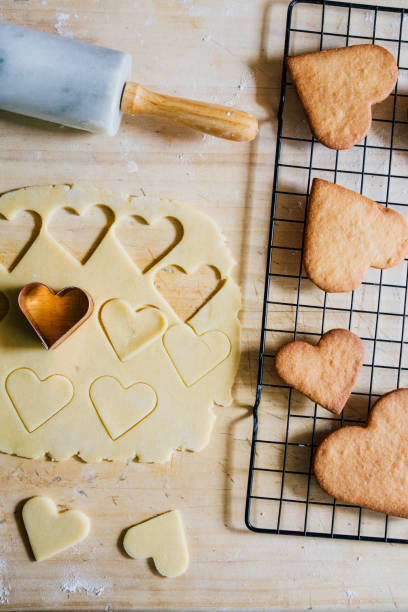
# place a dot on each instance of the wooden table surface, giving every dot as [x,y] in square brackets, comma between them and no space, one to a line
[229,52]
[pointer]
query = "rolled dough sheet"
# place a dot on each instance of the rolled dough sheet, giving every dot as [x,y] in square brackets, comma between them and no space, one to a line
[144,382]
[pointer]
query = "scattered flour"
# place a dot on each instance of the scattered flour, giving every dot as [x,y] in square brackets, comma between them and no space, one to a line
[349,594]
[4,586]
[131,166]
[195,11]
[61,24]
[73,583]
[90,475]
[369,17]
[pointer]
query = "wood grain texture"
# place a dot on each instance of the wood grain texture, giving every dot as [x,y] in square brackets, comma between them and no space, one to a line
[228,52]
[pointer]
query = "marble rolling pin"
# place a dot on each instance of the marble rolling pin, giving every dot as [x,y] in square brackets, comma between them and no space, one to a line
[87,87]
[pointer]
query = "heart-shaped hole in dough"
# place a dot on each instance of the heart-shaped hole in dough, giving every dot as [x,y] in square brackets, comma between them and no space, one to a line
[81,234]
[187,293]
[145,243]
[17,234]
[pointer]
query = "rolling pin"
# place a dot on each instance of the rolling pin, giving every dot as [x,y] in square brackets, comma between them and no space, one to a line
[87,87]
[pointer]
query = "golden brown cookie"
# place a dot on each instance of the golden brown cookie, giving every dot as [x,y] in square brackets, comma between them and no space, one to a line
[338,87]
[346,233]
[326,373]
[368,466]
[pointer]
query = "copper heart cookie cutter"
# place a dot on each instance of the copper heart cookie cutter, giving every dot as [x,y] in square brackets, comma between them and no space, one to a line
[54,316]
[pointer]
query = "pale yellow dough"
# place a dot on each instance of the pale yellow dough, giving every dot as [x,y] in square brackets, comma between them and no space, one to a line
[143,383]
[51,532]
[161,538]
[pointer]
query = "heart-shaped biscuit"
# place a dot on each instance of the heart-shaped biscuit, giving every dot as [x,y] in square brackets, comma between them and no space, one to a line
[326,373]
[338,87]
[346,233]
[36,400]
[368,466]
[54,316]
[121,408]
[195,356]
[130,331]
[161,538]
[49,531]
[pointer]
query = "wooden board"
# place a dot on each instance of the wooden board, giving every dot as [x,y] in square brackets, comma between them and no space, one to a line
[226,51]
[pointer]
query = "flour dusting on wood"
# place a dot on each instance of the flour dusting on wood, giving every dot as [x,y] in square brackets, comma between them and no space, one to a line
[4,586]
[74,582]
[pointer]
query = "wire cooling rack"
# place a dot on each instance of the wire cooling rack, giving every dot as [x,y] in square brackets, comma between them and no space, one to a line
[283,496]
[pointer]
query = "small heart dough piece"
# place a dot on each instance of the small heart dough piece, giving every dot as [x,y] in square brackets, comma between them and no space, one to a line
[129,331]
[368,466]
[346,233]
[120,408]
[194,356]
[49,531]
[337,88]
[326,373]
[163,539]
[37,400]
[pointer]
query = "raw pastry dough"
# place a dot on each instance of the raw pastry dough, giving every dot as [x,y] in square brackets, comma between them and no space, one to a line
[186,376]
[161,538]
[51,532]
[37,400]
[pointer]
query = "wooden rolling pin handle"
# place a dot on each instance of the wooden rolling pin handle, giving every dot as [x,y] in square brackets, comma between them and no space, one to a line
[213,119]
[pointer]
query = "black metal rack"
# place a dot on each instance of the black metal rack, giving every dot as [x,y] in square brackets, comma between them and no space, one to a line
[282,495]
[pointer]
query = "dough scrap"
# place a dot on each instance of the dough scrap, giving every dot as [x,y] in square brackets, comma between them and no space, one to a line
[161,538]
[183,417]
[49,531]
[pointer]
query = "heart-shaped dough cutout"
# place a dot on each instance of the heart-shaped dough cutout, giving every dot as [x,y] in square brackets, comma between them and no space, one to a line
[346,233]
[49,531]
[36,400]
[338,87]
[326,373]
[121,408]
[54,316]
[16,236]
[209,350]
[145,243]
[131,331]
[161,538]
[187,293]
[81,234]
[368,466]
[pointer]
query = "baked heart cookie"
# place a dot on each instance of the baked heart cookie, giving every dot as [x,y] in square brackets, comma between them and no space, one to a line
[368,466]
[346,233]
[338,87]
[326,373]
